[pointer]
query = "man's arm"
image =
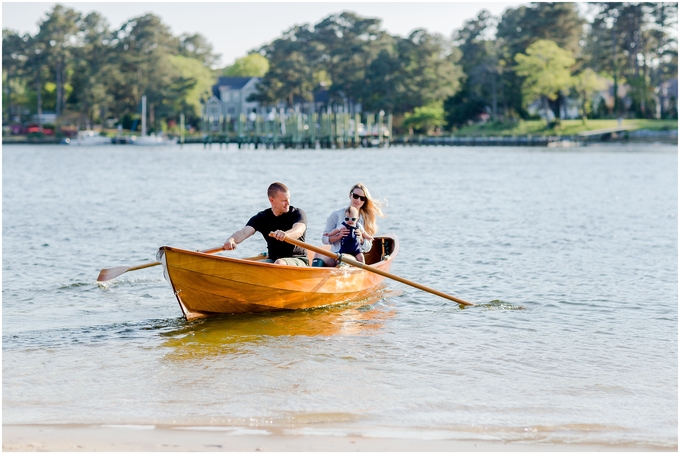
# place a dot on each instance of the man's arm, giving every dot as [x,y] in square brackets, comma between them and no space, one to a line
[238,237]
[295,232]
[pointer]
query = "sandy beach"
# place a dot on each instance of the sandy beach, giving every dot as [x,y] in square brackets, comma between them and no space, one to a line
[98,438]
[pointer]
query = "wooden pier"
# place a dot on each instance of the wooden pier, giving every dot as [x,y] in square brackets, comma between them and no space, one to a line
[325,142]
[489,141]
[326,130]
[342,130]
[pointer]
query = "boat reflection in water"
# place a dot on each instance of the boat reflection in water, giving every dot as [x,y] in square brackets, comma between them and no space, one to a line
[227,334]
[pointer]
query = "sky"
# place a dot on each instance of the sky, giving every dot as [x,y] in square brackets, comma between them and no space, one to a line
[235,28]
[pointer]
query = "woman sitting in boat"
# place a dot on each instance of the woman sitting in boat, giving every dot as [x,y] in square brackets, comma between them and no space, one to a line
[369,210]
[349,243]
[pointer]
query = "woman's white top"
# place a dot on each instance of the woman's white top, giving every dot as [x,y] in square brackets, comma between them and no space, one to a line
[334,221]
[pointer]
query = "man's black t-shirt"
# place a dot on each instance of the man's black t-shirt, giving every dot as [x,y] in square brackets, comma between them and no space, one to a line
[266,222]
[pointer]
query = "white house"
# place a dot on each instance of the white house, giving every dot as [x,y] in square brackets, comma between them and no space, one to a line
[568,110]
[606,96]
[230,97]
[667,98]
[46,117]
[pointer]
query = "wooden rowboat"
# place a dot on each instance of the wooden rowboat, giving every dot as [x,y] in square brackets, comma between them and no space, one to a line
[207,284]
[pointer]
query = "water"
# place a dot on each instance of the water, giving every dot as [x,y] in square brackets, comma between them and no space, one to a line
[570,254]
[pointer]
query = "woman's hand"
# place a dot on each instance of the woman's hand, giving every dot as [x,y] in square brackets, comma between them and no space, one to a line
[342,232]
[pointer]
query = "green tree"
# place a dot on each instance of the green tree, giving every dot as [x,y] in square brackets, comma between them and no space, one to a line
[519,27]
[636,44]
[559,22]
[546,71]
[79,63]
[172,72]
[413,72]
[465,106]
[425,118]
[430,73]
[586,84]
[13,66]
[57,33]
[384,82]
[192,84]
[664,46]
[349,43]
[252,65]
[94,70]
[196,46]
[293,60]
[482,66]
[365,65]
[141,46]
[35,68]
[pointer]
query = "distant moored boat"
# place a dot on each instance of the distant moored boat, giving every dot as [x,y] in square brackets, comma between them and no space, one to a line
[153,140]
[90,138]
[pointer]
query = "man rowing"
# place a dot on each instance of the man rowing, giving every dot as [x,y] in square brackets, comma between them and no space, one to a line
[282,219]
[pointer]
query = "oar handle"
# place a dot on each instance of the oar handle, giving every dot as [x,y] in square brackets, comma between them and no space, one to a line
[217,249]
[358,264]
[156,263]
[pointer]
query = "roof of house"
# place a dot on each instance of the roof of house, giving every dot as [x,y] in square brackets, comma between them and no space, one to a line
[232,83]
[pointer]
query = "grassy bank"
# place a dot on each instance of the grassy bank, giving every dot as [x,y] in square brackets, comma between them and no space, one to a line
[566,127]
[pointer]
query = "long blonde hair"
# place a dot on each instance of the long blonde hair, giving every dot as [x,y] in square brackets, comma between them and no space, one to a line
[370,210]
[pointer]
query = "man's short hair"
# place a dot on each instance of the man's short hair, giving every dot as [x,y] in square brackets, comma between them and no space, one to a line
[276,188]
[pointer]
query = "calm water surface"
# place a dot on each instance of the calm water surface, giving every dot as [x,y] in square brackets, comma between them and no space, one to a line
[571,256]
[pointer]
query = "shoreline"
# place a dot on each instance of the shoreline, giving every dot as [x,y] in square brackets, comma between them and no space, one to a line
[151,438]
[612,135]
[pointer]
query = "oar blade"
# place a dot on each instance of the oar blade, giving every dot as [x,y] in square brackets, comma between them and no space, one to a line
[110,273]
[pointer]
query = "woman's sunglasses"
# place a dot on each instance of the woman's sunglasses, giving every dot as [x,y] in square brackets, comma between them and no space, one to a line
[353,219]
[356,196]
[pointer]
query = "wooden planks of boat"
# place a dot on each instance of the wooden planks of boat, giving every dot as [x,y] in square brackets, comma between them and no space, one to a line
[208,284]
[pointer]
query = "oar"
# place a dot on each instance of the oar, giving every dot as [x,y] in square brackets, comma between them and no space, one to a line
[358,264]
[110,273]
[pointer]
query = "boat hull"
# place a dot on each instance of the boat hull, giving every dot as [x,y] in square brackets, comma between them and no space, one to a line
[207,284]
[90,138]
